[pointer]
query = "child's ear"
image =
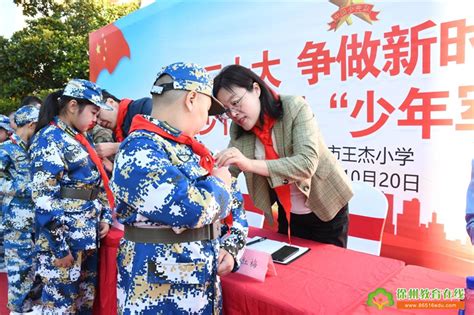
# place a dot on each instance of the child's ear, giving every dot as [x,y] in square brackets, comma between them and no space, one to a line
[191,99]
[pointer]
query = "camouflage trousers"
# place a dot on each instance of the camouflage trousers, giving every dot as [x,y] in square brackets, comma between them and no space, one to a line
[167,279]
[68,290]
[23,289]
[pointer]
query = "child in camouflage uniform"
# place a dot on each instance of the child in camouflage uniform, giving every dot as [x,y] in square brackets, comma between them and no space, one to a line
[18,209]
[5,131]
[170,199]
[71,209]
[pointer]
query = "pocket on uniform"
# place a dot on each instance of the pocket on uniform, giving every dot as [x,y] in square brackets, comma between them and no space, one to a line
[194,272]
[47,269]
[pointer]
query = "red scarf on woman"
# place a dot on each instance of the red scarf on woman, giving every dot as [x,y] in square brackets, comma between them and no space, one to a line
[265,136]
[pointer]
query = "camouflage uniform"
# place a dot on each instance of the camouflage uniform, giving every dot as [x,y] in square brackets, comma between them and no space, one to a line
[66,225]
[18,209]
[4,124]
[159,183]
[100,134]
[18,219]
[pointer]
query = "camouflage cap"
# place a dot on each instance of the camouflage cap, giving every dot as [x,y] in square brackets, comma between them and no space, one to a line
[189,77]
[86,90]
[5,123]
[26,114]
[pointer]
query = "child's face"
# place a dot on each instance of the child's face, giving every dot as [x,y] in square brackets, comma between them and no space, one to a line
[203,110]
[108,118]
[86,119]
[3,135]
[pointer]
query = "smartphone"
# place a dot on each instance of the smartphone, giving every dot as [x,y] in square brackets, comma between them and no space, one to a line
[283,253]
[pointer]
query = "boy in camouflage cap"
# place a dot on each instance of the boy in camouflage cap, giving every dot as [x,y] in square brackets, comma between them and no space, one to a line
[170,199]
[15,180]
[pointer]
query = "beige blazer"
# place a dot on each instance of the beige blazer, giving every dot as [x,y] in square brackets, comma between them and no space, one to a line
[304,160]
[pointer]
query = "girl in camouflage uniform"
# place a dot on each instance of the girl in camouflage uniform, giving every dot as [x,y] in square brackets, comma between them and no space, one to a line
[71,208]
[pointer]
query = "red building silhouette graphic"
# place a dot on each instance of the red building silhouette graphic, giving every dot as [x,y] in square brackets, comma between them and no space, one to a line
[422,245]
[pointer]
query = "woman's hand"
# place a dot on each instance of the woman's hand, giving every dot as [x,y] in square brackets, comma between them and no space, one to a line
[64,262]
[232,156]
[103,229]
[225,262]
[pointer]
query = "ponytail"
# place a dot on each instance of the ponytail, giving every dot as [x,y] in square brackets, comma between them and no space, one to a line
[49,109]
[53,105]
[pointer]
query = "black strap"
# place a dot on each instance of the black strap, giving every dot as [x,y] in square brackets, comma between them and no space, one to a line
[169,236]
[162,88]
[83,194]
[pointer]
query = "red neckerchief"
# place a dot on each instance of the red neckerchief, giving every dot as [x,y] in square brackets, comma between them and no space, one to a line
[95,159]
[207,160]
[122,112]
[265,136]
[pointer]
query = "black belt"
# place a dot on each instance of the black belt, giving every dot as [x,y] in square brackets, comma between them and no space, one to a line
[168,236]
[84,194]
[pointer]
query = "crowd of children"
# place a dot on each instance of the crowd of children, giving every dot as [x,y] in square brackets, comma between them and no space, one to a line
[182,214]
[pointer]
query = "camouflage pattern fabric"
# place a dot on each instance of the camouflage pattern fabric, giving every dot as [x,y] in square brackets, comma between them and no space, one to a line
[66,225]
[18,210]
[159,183]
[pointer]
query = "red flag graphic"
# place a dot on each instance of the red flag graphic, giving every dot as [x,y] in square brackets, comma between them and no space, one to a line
[106,47]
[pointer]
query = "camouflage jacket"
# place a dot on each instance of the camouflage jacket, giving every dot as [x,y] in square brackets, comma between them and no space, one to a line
[59,160]
[159,183]
[15,179]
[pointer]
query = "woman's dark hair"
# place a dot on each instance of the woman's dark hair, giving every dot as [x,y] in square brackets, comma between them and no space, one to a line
[53,105]
[239,76]
[31,100]
[106,94]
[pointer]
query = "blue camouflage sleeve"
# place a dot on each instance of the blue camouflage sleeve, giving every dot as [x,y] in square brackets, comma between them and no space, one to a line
[48,168]
[145,183]
[234,237]
[11,186]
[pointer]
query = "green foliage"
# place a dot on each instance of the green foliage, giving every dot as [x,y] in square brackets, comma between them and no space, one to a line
[53,47]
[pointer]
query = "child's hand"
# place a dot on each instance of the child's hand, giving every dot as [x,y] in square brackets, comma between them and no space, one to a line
[64,262]
[107,165]
[103,229]
[106,149]
[225,262]
[224,174]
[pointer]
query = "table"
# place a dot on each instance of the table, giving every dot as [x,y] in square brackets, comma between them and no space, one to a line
[106,295]
[326,280]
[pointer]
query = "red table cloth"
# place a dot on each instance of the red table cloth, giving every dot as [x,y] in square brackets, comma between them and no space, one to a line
[326,280]
[106,296]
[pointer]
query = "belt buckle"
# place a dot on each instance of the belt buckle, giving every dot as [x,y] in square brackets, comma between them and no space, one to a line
[94,193]
[215,230]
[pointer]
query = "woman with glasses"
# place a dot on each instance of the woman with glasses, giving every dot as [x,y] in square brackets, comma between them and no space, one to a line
[276,142]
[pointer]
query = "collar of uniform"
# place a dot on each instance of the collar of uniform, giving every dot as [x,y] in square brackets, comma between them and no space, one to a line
[164,125]
[19,141]
[65,127]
